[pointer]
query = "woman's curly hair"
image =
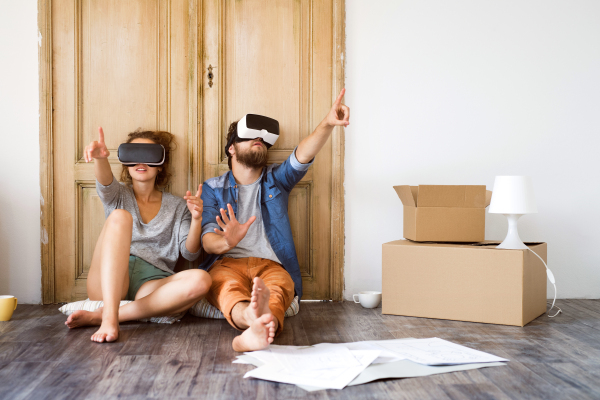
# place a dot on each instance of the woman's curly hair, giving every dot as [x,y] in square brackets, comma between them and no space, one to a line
[159,137]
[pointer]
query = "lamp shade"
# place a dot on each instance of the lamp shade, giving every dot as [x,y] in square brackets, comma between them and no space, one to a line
[513,195]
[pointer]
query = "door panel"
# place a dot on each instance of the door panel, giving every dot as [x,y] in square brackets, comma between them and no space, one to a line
[267,70]
[120,69]
[121,65]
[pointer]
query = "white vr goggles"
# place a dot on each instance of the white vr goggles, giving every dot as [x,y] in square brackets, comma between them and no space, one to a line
[253,126]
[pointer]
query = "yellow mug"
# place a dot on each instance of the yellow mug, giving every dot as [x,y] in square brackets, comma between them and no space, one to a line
[8,304]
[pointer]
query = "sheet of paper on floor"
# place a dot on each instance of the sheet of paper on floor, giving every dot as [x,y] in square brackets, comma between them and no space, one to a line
[432,351]
[316,358]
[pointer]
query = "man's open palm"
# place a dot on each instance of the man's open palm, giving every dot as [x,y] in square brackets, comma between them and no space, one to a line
[232,230]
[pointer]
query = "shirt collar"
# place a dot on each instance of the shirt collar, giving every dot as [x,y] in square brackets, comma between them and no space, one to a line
[231,178]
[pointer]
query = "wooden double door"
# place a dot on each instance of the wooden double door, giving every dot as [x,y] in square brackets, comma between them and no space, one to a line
[189,67]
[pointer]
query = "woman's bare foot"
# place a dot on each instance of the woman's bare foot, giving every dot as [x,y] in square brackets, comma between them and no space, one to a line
[108,332]
[84,318]
[259,302]
[258,336]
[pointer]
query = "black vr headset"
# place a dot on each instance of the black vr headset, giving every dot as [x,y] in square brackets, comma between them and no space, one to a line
[151,154]
[253,126]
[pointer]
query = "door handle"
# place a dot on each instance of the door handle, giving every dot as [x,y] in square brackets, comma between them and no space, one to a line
[210,75]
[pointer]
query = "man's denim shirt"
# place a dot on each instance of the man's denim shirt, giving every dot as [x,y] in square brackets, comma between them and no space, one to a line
[278,180]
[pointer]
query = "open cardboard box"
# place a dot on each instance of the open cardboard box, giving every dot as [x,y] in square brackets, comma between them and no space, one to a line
[444,213]
[464,282]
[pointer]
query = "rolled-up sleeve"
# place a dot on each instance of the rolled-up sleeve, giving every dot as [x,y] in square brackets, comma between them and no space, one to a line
[109,195]
[291,171]
[210,210]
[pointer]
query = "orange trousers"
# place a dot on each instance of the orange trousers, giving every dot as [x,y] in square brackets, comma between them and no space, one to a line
[232,283]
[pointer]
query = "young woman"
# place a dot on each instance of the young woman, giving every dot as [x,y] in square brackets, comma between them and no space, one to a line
[145,231]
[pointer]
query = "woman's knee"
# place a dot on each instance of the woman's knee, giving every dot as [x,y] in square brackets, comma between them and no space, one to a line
[120,218]
[197,283]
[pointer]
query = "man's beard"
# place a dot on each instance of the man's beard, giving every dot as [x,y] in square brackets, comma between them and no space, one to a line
[251,158]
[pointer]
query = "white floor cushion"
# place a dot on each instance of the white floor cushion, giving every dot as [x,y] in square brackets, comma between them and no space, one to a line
[89,305]
[202,309]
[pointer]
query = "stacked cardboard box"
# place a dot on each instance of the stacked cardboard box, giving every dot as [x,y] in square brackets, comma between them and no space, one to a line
[460,281]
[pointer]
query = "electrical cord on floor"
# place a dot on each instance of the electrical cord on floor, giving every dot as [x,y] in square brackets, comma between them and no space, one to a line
[551,279]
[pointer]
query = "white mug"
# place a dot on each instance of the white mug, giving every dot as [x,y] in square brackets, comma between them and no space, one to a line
[368,299]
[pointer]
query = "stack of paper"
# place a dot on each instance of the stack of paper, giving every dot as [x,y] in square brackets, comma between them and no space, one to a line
[335,366]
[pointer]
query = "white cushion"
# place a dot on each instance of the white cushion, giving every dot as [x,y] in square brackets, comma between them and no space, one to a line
[89,305]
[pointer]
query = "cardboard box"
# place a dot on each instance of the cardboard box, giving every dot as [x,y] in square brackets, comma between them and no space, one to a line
[464,282]
[444,213]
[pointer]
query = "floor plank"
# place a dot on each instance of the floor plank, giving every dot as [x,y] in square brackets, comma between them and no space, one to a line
[40,358]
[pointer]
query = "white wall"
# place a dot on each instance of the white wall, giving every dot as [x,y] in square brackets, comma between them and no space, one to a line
[457,92]
[20,267]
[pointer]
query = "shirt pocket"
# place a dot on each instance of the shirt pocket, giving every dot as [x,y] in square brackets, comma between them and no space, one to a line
[274,203]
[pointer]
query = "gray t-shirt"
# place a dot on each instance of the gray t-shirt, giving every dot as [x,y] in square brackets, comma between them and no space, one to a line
[255,243]
[160,240]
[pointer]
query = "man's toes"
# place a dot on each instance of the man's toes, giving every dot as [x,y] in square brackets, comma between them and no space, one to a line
[265,319]
[271,327]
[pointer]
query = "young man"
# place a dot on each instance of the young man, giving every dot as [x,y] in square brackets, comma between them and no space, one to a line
[246,231]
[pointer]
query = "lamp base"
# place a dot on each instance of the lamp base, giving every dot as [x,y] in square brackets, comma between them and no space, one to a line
[512,240]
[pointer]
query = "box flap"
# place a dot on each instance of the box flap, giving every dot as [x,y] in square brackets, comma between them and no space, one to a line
[488,197]
[465,196]
[405,194]
[415,193]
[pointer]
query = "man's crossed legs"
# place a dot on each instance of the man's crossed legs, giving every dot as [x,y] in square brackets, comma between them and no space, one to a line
[253,294]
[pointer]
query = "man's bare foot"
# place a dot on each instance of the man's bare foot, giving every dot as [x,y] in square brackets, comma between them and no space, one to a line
[108,332]
[258,336]
[84,318]
[259,301]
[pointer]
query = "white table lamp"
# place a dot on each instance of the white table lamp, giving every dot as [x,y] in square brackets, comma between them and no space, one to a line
[513,196]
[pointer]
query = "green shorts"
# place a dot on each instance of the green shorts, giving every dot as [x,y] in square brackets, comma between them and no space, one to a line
[141,272]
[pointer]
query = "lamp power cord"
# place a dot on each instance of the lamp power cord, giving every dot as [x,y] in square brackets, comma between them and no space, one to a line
[552,280]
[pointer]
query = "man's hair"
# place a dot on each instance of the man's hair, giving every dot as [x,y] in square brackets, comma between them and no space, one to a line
[230,132]
[159,137]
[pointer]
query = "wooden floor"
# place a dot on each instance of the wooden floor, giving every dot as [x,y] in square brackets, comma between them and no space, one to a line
[551,358]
